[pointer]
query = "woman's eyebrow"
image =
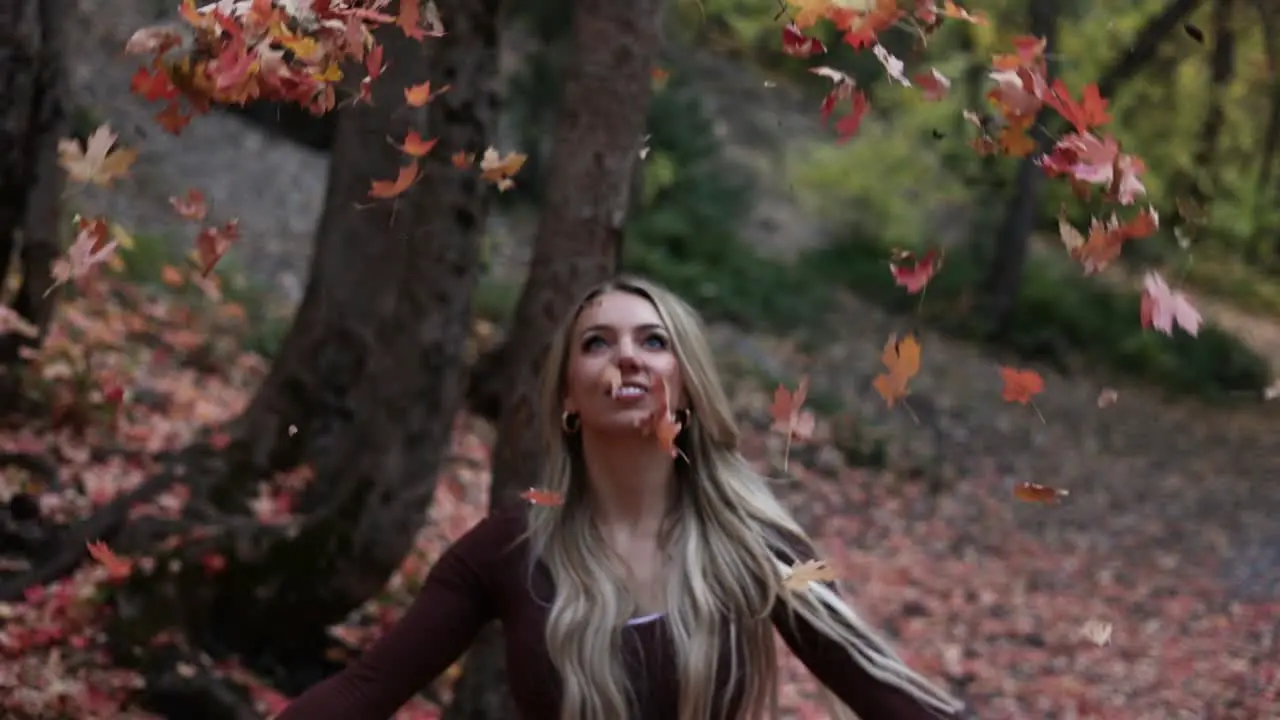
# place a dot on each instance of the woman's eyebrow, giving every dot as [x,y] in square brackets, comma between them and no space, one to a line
[611,328]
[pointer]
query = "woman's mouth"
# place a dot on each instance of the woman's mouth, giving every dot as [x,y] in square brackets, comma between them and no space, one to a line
[630,391]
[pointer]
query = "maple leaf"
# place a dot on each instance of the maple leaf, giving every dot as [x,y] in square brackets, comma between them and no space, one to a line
[843,88]
[1097,632]
[1085,115]
[153,85]
[117,568]
[808,571]
[172,118]
[808,12]
[499,169]
[415,146]
[1036,493]
[914,273]
[1015,142]
[543,498]
[787,410]
[95,243]
[96,162]
[462,160]
[933,85]
[213,242]
[662,422]
[420,94]
[1020,385]
[1163,308]
[796,44]
[384,189]
[892,64]
[373,67]
[191,207]
[902,359]
[955,12]
[410,19]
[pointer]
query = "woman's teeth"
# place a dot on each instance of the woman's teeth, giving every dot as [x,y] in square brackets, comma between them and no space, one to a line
[629,391]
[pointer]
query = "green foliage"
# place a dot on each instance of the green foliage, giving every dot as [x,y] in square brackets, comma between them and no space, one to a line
[1058,314]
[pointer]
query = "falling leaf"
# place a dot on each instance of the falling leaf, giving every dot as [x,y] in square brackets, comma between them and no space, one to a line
[1107,397]
[1020,385]
[808,571]
[955,12]
[213,242]
[1194,32]
[95,243]
[499,169]
[13,322]
[96,162]
[1097,632]
[933,85]
[1035,493]
[658,77]
[662,422]
[611,379]
[914,273]
[902,358]
[796,44]
[419,95]
[385,189]
[415,146]
[117,568]
[153,85]
[789,417]
[543,498]
[893,65]
[462,160]
[1163,308]
[190,207]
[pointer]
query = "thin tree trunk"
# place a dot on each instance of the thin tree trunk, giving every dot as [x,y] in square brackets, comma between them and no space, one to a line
[601,122]
[1004,276]
[1221,71]
[32,119]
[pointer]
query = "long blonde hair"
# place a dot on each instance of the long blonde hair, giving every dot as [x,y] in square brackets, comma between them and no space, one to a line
[724,540]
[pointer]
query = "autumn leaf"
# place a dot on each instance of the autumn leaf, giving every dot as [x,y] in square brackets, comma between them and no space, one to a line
[806,13]
[95,243]
[415,146]
[662,422]
[1164,309]
[955,12]
[543,498]
[902,359]
[1107,397]
[190,207]
[1036,493]
[419,95]
[914,273]
[213,242]
[808,571]
[933,85]
[153,85]
[1015,142]
[658,78]
[796,44]
[1020,385]
[1097,632]
[787,410]
[96,162]
[499,169]
[385,189]
[843,88]
[117,568]
[13,322]
[1089,113]
[462,160]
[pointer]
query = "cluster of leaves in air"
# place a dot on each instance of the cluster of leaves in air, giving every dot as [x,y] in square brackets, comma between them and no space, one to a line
[237,52]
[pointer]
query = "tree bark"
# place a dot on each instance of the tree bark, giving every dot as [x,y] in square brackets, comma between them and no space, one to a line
[32,120]
[1222,66]
[602,115]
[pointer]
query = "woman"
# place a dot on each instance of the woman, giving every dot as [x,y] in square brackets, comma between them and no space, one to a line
[653,591]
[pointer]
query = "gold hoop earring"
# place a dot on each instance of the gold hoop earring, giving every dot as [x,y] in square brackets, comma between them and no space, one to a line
[570,422]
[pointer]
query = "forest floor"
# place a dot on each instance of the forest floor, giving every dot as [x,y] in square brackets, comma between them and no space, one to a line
[1170,533]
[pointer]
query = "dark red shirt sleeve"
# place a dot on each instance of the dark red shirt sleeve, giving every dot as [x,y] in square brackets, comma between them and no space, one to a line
[839,671]
[458,598]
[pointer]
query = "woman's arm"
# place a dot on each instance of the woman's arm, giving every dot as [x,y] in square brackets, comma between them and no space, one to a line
[456,601]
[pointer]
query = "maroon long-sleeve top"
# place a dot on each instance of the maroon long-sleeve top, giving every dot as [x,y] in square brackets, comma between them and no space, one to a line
[485,576]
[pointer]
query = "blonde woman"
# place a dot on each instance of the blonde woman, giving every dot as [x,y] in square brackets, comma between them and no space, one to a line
[653,592]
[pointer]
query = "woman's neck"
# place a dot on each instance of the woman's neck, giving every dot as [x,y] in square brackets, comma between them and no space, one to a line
[632,483]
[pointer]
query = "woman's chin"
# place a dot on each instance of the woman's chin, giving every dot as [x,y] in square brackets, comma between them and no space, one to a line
[622,421]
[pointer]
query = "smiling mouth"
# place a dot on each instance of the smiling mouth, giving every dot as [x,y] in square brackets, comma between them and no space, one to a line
[628,391]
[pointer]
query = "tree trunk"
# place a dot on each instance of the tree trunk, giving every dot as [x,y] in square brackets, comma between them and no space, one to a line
[1004,277]
[598,137]
[364,393]
[33,118]
[1221,71]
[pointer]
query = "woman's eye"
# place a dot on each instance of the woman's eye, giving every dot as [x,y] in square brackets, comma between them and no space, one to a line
[655,342]
[593,343]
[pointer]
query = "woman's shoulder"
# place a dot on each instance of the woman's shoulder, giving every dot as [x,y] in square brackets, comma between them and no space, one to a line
[495,536]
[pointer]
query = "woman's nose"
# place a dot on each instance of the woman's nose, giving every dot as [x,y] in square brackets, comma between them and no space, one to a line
[627,353]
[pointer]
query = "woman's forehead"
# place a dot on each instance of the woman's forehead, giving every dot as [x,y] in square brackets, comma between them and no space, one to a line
[618,309]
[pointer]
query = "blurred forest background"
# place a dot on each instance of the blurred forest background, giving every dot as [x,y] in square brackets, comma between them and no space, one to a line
[739,199]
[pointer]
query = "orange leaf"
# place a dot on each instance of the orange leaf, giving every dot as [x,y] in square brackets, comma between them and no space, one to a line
[410,19]
[1020,385]
[462,160]
[414,144]
[662,422]
[803,573]
[117,567]
[191,207]
[499,169]
[384,189]
[1015,142]
[214,242]
[789,418]
[97,161]
[419,95]
[1043,494]
[902,358]
[544,498]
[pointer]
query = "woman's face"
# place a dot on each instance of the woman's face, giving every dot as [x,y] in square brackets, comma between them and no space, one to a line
[619,341]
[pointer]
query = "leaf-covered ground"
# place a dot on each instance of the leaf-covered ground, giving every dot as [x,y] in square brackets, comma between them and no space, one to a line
[1020,629]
